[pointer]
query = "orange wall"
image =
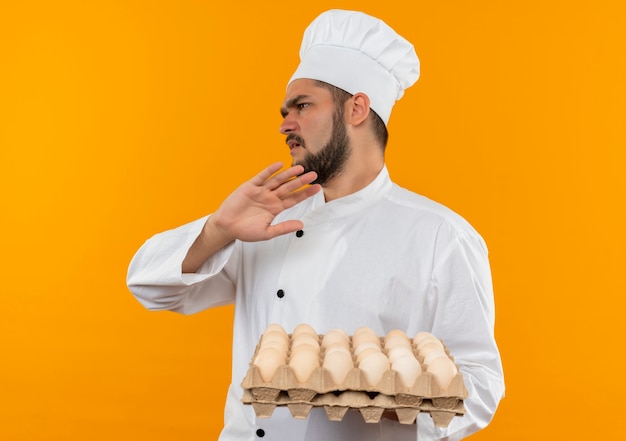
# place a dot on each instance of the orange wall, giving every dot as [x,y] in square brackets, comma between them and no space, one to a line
[119,119]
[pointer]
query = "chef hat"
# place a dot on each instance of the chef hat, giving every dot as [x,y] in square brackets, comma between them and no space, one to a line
[358,53]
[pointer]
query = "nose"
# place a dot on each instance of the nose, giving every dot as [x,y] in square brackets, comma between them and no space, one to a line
[288,124]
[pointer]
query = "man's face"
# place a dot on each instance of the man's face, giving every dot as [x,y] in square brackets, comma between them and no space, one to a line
[316,132]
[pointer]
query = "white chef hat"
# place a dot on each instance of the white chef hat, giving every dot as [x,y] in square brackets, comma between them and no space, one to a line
[358,53]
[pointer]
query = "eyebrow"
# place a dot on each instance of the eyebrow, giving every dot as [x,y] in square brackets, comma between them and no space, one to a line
[291,103]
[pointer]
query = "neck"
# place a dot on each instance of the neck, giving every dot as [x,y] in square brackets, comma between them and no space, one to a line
[358,174]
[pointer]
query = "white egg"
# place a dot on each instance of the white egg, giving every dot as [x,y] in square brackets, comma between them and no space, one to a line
[421,336]
[303,361]
[275,337]
[367,352]
[304,338]
[271,352]
[268,360]
[305,347]
[444,370]
[399,351]
[374,366]
[276,344]
[337,348]
[365,345]
[408,368]
[396,333]
[397,340]
[365,329]
[437,353]
[338,364]
[275,327]
[430,340]
[335,336]
[304,328]
[363,335]
[275,334]
[428,347]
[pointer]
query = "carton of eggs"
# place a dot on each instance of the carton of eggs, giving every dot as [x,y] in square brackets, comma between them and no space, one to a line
[365,371]
[435,358]
[272,352]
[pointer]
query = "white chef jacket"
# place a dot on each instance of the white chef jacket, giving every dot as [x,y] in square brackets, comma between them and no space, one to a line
[383,257]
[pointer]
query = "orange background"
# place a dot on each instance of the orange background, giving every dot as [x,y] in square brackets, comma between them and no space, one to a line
[119,119]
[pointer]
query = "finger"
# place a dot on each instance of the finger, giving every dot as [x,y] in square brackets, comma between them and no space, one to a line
[300,195]
[296,183]
[266,173]
[285,227]
[284,176]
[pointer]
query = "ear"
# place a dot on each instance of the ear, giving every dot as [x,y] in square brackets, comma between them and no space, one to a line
[358,108]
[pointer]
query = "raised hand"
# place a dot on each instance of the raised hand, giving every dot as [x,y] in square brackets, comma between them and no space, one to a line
[248,212]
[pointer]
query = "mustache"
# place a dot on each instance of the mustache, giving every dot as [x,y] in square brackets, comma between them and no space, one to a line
[294,137]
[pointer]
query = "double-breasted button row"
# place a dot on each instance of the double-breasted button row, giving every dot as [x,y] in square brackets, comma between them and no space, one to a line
[280,293]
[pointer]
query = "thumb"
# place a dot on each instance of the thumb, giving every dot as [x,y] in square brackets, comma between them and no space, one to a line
[282,228]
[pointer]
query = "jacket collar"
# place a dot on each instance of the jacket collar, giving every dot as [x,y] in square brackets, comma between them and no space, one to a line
[320,210]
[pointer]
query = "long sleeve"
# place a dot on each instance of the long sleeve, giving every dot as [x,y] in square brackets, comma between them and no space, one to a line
[464,318]
[155,273]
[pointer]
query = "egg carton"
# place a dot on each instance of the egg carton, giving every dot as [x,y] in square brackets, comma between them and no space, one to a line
[390,395]
[372,407]
[321,381]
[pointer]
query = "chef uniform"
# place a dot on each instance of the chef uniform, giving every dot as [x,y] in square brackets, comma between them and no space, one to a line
[383,257]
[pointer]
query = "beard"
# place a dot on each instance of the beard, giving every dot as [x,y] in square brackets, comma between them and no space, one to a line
[331,160]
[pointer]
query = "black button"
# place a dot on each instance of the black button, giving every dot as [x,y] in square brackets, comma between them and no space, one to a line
[280,293]
[299,233]
[260,433]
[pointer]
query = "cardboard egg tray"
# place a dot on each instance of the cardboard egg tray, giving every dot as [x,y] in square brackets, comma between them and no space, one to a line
[390,397]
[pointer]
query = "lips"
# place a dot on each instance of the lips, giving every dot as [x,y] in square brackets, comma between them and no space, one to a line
[294,141]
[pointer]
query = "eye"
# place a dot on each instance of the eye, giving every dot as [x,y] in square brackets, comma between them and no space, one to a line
[301,106]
